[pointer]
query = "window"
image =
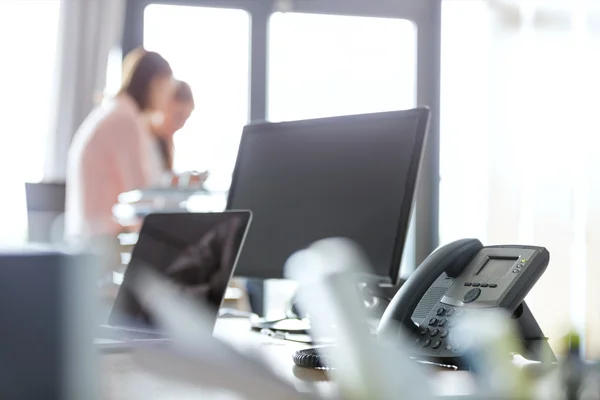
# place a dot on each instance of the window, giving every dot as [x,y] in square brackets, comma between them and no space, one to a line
[464,77]
[208,48]
[30,32]
[327,65]
[519,89]
[27,82]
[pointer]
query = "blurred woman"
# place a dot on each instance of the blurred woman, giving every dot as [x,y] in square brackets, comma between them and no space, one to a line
[114,151]
[174,117]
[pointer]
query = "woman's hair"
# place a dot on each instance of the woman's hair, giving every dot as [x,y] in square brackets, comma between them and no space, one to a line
[166,148]
[183,92]
[140,68]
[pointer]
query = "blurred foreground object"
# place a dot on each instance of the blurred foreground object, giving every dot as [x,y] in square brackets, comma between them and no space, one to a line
[196,357]
[364,368]
[572,368]
[489,338]
[47,310]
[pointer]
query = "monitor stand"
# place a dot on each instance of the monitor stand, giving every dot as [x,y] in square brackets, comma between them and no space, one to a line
[292,323]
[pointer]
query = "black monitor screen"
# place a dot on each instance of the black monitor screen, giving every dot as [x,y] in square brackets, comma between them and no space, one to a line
[351,176]
[197,252]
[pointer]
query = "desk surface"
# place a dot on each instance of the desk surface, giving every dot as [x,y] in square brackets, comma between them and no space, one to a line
[123,379]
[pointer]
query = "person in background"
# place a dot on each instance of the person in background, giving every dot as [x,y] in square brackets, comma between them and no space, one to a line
[174,117]
[114,151]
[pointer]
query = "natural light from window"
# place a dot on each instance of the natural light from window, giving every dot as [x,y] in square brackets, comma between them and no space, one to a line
[27,82]
[30,33]
[328,65]
[208,48]
[464,113]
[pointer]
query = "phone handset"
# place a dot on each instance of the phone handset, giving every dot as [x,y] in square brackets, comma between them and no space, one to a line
[450,259]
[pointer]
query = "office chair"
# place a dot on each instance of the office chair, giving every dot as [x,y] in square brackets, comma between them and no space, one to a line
[45,211]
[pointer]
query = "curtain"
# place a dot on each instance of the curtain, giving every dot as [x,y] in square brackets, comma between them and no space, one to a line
[89,30]
[520,97]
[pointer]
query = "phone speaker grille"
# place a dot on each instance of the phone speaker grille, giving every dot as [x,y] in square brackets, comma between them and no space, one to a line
[431,298]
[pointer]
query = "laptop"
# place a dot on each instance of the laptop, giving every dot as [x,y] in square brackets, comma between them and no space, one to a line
[197,251]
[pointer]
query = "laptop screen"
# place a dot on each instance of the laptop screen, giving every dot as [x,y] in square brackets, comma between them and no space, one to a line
[196,251]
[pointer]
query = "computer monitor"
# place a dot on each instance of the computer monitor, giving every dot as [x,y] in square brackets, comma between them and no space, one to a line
[350,176]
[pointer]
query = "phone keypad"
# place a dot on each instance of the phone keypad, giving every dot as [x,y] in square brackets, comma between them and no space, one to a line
[433,334]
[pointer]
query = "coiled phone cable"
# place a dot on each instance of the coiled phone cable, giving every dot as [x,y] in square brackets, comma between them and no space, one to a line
[310,358]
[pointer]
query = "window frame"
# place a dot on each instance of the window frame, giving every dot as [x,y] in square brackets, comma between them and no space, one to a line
[425,14]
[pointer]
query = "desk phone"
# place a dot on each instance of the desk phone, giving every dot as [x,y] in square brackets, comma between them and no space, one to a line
[460,277]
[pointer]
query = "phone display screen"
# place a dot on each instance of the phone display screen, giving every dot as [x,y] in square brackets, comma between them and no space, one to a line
[497,266]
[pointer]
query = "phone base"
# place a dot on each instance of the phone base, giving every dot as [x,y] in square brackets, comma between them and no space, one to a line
[534,342]
[534,345]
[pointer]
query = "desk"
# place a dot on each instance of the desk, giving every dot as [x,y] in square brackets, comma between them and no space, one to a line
[123,379]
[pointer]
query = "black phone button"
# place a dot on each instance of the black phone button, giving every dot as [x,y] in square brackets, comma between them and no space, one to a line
[449,312]
[472,295]
[433,321]
[436,344]
[475,284]
[434,332]
[493,285]
[515,271]
[441,311]
[444,334]
[468,283]
[484,285]
[442,322]
[424,331]
[426,343]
